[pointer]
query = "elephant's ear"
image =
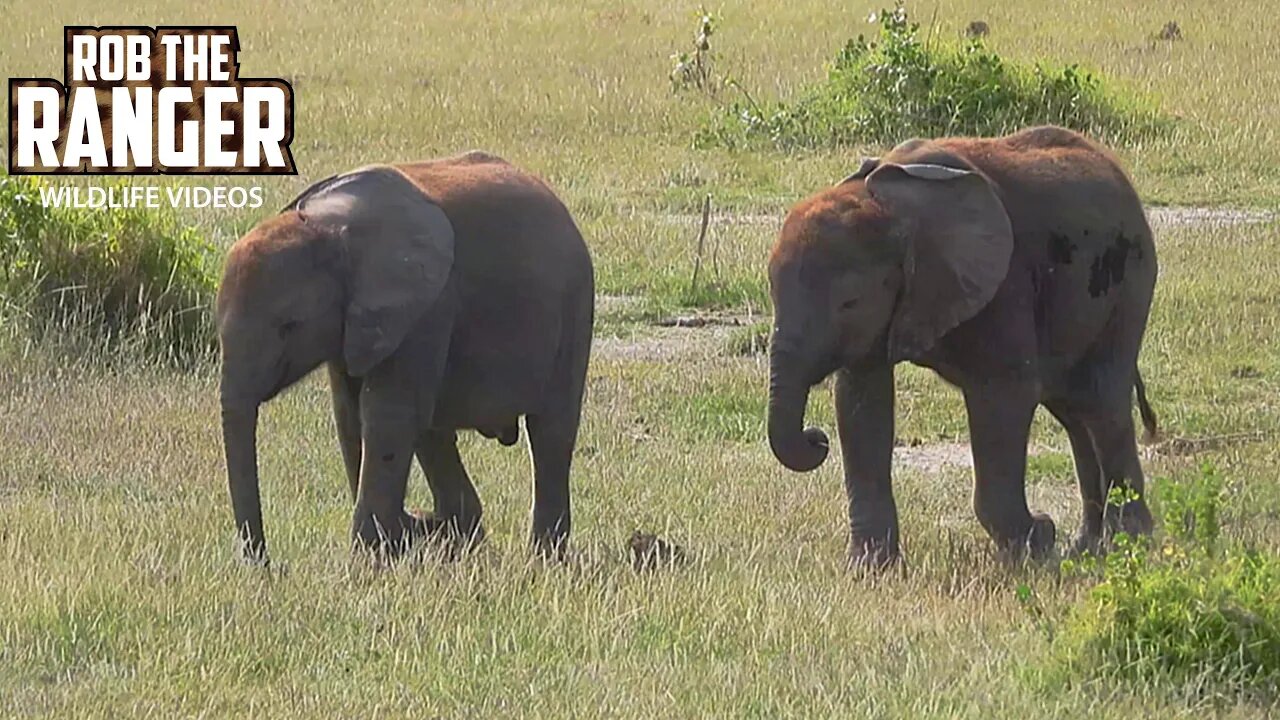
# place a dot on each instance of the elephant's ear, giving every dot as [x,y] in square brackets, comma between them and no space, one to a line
[399,248]
[868,165]
[958,242]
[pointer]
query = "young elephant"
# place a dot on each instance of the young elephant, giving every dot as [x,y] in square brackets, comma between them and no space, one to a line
[448,294]
[1021,270]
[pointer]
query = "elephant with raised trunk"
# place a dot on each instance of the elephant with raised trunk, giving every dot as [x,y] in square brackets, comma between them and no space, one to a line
[442,295]
[1021,270]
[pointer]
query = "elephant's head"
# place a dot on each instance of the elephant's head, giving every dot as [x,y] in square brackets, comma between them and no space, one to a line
[876,270]
[340,275]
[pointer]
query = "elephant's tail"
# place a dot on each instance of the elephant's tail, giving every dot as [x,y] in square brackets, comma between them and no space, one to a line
[1152,429]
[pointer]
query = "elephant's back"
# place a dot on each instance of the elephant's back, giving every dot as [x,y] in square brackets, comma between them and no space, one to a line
[501,213]
[524,280]
[1080,231]
[1056,182]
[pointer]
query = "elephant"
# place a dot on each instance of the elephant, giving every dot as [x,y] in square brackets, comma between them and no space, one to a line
[1020,269]
[442,295]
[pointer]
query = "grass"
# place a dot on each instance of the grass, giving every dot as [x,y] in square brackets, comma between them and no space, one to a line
[120,596]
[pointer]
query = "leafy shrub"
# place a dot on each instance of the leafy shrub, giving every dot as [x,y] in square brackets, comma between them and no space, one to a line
[132,273]
[1187,613]
[900,86]
[1190,510]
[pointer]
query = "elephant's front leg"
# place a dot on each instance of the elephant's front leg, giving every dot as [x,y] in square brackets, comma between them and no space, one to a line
[1000,414]
[346,417]
[864,410]
[389,421]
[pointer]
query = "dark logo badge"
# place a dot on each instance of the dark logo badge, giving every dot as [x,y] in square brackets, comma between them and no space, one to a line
[142,100]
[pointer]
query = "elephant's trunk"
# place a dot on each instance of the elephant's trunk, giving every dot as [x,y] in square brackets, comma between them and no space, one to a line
[799,449]
[239,435]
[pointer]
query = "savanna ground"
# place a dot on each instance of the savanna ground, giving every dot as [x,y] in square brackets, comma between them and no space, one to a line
[119,594]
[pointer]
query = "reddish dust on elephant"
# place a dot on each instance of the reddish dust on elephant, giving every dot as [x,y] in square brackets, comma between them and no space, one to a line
[1021,270]
[442,295]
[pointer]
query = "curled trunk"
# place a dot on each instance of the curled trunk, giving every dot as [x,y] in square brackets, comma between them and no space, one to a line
[799,448]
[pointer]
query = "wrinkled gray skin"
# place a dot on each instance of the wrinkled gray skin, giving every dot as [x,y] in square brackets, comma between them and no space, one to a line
[442,295]
[1021,270]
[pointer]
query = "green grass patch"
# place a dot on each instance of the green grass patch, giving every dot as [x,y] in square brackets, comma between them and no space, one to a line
[749,340]
[102,275]
[1187,613]
[1050,466]
[905,84]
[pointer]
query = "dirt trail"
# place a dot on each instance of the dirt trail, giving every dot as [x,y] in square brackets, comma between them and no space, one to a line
[1160,217]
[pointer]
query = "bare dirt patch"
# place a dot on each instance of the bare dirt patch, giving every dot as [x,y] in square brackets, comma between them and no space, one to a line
[933,457]
[694,335]
[660,344]
[720,219]
[1168,217]
[618,304]
[702,321]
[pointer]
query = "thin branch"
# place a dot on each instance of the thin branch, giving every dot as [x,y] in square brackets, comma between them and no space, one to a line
[702,241]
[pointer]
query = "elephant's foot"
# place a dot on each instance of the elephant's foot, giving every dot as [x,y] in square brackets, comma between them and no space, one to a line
[1132,518]
[873,555]
[1088,542]
[454,534]
[1036,544]
[252,554]
[467,530]
[388,537]
[551,546]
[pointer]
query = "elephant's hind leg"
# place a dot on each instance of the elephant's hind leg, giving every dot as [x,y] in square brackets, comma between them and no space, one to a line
[1117,450]
[346,417]
[553,432]
[457,505]
[1101,397]
[1088,474]
[551,441]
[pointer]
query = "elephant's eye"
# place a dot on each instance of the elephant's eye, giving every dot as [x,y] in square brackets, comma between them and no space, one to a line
[848,304]
[287,327]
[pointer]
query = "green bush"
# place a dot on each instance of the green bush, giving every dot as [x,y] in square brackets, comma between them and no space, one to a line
[104,275]
[900,86]
[1188,613]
